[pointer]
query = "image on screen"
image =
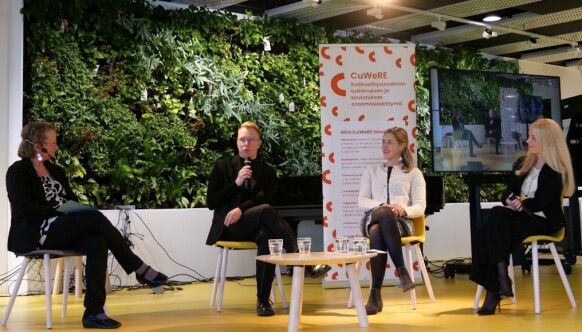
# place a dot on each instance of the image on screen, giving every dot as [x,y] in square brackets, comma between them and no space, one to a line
[480,120]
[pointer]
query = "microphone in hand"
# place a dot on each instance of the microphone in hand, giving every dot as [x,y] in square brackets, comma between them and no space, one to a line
[247,183]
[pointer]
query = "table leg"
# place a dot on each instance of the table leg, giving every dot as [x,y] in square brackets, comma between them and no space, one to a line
[357,294]
[296,298]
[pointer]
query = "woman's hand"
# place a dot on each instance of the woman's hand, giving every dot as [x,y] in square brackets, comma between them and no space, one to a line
[515,203]
[397,210]
[245,173]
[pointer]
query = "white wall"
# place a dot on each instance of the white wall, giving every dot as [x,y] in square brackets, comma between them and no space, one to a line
[570,77]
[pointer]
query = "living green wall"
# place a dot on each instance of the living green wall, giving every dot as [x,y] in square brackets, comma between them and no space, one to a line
[147,99]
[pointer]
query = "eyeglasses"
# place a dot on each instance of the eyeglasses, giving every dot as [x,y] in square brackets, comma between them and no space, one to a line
[249,140]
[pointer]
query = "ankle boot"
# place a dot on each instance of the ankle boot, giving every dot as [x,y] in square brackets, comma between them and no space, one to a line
[405,282]
[505,289]
[491,302]
[374,304]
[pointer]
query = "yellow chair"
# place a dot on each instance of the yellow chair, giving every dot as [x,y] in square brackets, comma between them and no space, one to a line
[46,256]
[410,242]
[220,274]
[534,241]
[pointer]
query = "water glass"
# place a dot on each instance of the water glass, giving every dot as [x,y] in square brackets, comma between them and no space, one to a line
[275,247]
[360,245]
[341,244]
[304,245]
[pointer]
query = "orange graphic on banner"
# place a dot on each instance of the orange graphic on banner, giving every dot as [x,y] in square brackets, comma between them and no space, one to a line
[325,176]
[347,119]
[411,106]
[359,50]
[399,63]
[320,69]
[334,276]
[329,206]
[330,247]
[327,129]
[332,157]
[343,48]
[334,233]
[335,84]
[391,118]
[324,221]
[414,132]
[368,265]
[324,53]
[323,101]
[413,59]
[372,56]
[405,119]
[334,111]
[339,61]
[361,117]
[412,148]
[387,50]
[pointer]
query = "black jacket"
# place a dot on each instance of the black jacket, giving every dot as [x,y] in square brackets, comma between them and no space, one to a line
[224,195]
[547,198]
[28,204]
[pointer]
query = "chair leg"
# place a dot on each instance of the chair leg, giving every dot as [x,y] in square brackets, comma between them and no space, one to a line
[10,304]
[216,277]
[66,281]
[562,274]
[420,259]
[408,259]
[280,286]
[511,273]
[79,276]
[222,278]
[477,297]
[536,276]
[47,290]
[58,275]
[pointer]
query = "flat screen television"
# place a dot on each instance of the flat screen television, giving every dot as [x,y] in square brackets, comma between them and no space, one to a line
[480,120]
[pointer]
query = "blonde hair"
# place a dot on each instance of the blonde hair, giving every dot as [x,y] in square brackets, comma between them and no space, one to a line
[553,150]
[249,125]
[31,134]
[402,137]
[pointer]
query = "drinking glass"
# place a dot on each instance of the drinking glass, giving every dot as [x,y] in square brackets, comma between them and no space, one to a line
[275,247]
[304,245]
[341,244]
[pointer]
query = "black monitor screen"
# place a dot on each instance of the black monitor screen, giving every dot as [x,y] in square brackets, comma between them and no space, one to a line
[480,120]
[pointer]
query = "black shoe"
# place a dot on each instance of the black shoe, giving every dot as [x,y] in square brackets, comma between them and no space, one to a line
[94,322]
[492,302]
[375,303]
[158,281]
[264,308]
[405,282]
[317,270]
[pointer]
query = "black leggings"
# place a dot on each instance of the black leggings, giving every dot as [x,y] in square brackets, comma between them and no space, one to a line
[384,235]
[259,224]
[91,233]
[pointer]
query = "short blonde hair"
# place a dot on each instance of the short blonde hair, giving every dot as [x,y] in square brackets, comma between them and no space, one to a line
[31,134]
[401,136]
[553,150]
[251,125]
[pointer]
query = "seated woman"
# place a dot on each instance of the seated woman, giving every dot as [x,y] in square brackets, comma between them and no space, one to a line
[391,193]
[532,206]
[36,189]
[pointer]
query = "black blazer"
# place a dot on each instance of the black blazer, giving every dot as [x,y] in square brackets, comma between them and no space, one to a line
[547,198]
[224,195]
[28,204]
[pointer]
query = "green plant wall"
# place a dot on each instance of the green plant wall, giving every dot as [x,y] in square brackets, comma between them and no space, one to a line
[146,99]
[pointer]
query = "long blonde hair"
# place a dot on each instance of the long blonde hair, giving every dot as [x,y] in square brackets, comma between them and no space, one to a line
[553,150]
[402,137]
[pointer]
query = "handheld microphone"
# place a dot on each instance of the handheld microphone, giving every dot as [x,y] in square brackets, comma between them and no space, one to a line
[247,183]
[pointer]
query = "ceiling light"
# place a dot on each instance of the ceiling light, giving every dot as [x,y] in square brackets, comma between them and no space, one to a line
[488,33]
[491,18]
[375,12]
[439,25]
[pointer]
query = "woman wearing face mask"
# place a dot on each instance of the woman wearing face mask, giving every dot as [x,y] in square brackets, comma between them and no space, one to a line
[391,194]
[532,205]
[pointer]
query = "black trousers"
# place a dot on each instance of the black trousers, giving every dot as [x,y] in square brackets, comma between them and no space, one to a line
[92,234]
[500,234]
[259,224]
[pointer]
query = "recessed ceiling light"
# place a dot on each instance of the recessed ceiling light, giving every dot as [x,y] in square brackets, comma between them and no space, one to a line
[491,18]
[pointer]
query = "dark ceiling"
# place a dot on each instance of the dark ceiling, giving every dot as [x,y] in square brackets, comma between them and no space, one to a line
[546,31]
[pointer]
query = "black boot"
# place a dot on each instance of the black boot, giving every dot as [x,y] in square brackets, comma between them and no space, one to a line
[505,289]
[405,282]
[491,302]
[374,304]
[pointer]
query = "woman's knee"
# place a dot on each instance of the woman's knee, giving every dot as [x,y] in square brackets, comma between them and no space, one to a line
[383,214]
